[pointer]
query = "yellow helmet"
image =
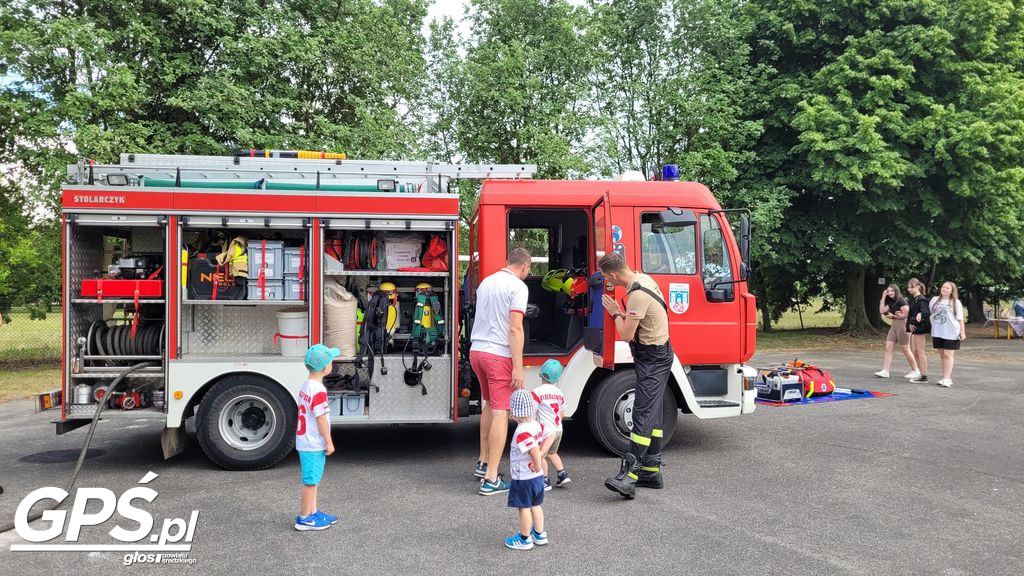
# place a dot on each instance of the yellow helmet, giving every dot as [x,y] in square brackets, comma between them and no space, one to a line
[423,286]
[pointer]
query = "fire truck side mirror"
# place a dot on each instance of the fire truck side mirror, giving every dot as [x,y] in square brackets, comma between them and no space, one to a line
[744,241]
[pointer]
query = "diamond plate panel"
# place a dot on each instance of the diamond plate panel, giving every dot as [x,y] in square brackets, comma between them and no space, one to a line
[398,402]
[224,330]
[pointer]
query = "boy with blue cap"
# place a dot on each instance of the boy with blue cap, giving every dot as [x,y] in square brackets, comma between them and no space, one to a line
[313,435]
[550,409]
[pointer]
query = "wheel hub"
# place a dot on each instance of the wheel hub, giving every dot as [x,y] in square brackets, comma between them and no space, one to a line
[247,422]
[623,413]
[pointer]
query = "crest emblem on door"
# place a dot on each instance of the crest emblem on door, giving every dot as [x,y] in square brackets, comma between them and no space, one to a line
[679,297]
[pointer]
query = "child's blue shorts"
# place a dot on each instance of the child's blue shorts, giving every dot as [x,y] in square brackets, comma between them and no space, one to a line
[312,463]
[526,493]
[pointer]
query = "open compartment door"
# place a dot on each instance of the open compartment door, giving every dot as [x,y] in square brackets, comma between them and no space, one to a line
[599,333]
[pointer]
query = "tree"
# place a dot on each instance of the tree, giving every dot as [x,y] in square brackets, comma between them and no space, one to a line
[524,85]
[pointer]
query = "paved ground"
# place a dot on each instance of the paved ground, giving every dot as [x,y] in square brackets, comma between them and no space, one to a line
[930,481]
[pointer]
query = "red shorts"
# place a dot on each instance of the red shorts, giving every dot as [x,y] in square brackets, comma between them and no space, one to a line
[495,375]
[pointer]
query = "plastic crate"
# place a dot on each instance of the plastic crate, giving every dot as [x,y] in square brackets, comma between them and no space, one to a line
[272,265]
[293,260]
[294,288]
[271,290]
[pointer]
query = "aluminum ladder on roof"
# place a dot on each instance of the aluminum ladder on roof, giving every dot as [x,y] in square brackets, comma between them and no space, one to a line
[216,168]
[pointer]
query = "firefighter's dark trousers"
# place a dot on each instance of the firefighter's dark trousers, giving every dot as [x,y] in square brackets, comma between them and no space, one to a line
[653,364]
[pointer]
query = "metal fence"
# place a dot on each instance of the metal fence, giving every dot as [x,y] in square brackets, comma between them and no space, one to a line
[24,339]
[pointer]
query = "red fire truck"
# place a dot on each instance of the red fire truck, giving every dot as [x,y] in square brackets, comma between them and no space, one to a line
[196,281]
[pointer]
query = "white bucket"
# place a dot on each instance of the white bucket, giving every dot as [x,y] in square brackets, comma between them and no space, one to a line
[292,332]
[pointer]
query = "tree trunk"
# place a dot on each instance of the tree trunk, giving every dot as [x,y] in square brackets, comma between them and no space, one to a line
[975,304]
[872,293]
[855,321]
[766,316]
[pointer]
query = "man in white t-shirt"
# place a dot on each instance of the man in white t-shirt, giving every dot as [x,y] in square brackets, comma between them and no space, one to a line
[496,356]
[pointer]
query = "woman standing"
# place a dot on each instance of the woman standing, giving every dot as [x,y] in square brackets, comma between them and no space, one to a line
[947,328]
[895,308]
[919,326]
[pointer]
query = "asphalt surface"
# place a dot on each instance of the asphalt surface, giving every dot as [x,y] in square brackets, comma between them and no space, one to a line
[930,481]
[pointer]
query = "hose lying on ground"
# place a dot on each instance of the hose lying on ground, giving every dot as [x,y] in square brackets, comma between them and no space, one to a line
[88,440]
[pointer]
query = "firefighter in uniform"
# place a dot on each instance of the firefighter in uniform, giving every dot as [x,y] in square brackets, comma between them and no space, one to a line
[644,325]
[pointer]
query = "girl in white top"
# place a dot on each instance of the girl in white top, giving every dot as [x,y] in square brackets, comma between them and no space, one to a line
[948,328]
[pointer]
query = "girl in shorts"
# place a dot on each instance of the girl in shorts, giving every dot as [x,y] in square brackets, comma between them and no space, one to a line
[918,325]
[947,315]
[895,308]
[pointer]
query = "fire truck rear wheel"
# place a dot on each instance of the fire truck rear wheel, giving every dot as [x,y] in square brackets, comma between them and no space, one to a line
[609,412]
[246,423]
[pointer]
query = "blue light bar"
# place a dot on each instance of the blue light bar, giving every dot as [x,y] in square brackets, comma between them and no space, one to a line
[670,172]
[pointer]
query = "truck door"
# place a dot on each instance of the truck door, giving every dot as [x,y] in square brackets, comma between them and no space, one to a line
[687,254]
[599,332]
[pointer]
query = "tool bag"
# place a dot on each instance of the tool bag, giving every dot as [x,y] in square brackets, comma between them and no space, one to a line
[816,382]
[208,280]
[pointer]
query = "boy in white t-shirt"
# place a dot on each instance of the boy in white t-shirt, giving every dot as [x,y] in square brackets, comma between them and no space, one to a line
[550,410]
[526,491]
[313,436]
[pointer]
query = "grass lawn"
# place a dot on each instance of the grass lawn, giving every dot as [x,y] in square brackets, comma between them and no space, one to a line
[17,383]
[24,339]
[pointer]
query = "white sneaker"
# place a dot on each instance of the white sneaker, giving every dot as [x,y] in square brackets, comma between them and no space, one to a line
[882,373]
[912,375]
[945,383]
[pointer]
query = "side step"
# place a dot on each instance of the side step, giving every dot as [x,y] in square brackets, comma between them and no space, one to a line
[717,404]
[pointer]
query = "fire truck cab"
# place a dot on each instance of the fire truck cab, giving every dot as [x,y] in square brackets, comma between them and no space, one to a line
[195,283]
[677,233]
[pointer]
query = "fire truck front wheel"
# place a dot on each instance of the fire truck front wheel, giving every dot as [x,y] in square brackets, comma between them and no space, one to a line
[610,411]
[246,423]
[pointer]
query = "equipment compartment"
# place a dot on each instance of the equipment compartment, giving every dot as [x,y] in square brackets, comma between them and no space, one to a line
[115,313]
[252,261]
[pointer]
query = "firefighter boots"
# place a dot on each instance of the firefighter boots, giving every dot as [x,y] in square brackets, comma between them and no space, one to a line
[650,472]
[625,481]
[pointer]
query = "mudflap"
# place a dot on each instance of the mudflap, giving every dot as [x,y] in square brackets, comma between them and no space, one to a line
[173,442]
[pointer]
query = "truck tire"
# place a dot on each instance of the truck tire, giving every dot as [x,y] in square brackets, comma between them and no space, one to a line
[246,423]
[610,407]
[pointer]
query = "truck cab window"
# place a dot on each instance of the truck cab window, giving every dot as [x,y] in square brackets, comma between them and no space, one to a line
[667,249]
[715,264]
[537,241]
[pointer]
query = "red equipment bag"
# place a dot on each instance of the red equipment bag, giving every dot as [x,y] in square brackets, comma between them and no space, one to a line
[817,382]
[436,256]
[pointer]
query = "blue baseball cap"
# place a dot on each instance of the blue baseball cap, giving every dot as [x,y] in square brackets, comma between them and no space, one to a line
[319,357]
[551,371]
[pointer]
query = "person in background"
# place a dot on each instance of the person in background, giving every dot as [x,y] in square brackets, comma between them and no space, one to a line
[895,308]
[947,315]
[1018,308]
[919,326]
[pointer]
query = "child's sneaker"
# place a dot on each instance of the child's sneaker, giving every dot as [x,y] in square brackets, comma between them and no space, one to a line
[912,375]
[312,522]
[922,379]
[945,382]
[519,542]
[490,488]
[882,373]
[539,538]
[547,485]
[330,517]
[481,470]
[563,479]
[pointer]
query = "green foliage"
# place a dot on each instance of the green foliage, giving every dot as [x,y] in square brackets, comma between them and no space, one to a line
[868,137]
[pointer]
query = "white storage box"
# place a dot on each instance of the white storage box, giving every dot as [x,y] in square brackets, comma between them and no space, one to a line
[402,252]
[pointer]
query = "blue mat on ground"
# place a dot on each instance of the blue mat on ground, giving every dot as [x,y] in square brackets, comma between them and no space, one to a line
[839,395]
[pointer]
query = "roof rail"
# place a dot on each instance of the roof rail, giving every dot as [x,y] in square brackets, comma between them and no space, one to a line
[135,169]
